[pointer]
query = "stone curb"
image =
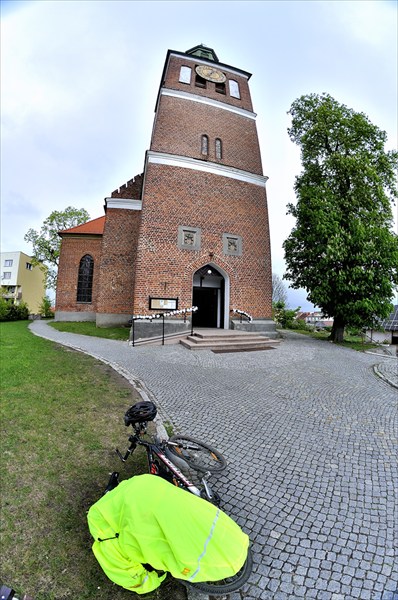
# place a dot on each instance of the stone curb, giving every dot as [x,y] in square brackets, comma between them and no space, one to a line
[383,377]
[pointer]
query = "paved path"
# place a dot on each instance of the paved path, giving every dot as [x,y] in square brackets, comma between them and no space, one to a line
[309,431]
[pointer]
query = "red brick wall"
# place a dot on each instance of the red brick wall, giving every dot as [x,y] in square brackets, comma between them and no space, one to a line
[117,262]
[175,196]
[131,189]
[180,125]
[73,248]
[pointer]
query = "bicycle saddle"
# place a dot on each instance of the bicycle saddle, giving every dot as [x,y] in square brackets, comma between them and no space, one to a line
[140,412]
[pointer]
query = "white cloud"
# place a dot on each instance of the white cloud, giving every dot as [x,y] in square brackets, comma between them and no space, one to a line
[373,22]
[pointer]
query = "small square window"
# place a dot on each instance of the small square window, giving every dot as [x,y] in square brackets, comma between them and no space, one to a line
[232,244]
[188,238]
[200,82]
[8,262]
[6,274]
[29,266]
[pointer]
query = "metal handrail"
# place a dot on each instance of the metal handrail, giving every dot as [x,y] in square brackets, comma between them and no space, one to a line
[242,314]
[172,313]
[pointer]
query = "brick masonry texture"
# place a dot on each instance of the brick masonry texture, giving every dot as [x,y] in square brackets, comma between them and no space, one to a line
[216,205]
[116,285]
[181,124]
[131,189]
[73,249]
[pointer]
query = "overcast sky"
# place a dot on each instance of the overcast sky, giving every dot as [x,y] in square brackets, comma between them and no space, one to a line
[79,81]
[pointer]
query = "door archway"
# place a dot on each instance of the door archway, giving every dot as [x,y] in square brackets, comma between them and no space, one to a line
[210,294]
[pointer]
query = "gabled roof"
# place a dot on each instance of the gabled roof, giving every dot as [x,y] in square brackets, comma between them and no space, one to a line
[94,227]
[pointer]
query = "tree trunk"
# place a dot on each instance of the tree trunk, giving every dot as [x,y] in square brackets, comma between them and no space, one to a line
[337,333]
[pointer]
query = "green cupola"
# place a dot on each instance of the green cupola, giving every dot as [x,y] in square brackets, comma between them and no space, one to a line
[203,51]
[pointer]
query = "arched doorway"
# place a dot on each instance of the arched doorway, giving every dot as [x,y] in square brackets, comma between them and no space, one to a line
[210,290]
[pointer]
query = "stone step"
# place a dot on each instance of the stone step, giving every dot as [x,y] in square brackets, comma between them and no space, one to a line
[228,345]
[240,338]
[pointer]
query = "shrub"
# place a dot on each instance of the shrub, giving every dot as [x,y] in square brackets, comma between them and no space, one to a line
[285,317]
[13,312]
[4,307]
[300,325]
[45,308]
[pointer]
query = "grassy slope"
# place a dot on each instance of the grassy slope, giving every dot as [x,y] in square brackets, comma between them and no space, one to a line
[62,417]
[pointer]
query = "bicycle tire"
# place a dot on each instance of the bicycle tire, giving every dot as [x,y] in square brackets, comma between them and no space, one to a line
[225,586]
[200,457]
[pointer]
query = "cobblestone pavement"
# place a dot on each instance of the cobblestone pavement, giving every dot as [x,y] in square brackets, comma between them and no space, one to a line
[309,431]
[388,370]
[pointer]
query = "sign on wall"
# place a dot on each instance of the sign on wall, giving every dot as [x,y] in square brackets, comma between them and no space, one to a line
[163,303]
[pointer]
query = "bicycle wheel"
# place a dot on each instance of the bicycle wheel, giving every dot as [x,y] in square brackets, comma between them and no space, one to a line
[197,455]
[225,586]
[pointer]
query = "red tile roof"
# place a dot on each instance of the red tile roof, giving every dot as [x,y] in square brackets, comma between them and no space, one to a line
[96,226]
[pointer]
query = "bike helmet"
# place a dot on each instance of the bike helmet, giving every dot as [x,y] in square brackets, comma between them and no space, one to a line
[140,412]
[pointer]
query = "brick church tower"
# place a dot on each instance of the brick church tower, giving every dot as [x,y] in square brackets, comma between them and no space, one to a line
[192,230]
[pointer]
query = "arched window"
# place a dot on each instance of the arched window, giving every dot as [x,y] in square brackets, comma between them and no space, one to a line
[205,145]
[234,88]
[218,148]
[85,279]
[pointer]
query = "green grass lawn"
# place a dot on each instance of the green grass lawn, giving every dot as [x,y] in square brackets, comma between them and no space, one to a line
[90,328]
[350,341]
[61,419]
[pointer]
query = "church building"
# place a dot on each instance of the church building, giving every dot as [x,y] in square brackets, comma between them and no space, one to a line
[192,229]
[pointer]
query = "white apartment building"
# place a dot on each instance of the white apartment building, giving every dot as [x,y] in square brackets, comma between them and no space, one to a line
[21,281]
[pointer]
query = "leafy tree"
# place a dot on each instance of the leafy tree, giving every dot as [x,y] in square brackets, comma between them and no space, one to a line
[279,292]
[342,249]
[47,243]
[45,308]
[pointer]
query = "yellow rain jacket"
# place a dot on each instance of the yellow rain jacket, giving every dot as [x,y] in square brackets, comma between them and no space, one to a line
[146,520]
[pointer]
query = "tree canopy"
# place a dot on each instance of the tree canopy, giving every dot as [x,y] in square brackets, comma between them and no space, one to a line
[47,243]
[342,250]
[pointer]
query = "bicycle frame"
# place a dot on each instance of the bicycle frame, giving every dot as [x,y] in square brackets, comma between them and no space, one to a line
[155,450]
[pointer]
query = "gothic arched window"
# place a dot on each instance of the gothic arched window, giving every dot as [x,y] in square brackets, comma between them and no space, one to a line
[85,279]
[205,145]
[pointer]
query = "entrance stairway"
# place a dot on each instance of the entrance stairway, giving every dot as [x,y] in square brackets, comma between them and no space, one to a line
[228,340]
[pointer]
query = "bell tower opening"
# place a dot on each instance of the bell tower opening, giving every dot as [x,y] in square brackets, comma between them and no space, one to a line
[209,294]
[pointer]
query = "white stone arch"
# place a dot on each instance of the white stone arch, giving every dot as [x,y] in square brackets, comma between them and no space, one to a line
[226,293]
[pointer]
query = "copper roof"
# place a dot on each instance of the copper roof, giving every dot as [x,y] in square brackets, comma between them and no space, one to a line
[94,227]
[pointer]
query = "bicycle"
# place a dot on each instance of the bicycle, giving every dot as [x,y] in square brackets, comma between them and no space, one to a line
[167,459]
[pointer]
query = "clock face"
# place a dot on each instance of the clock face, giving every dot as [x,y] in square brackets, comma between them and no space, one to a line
[210,73]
